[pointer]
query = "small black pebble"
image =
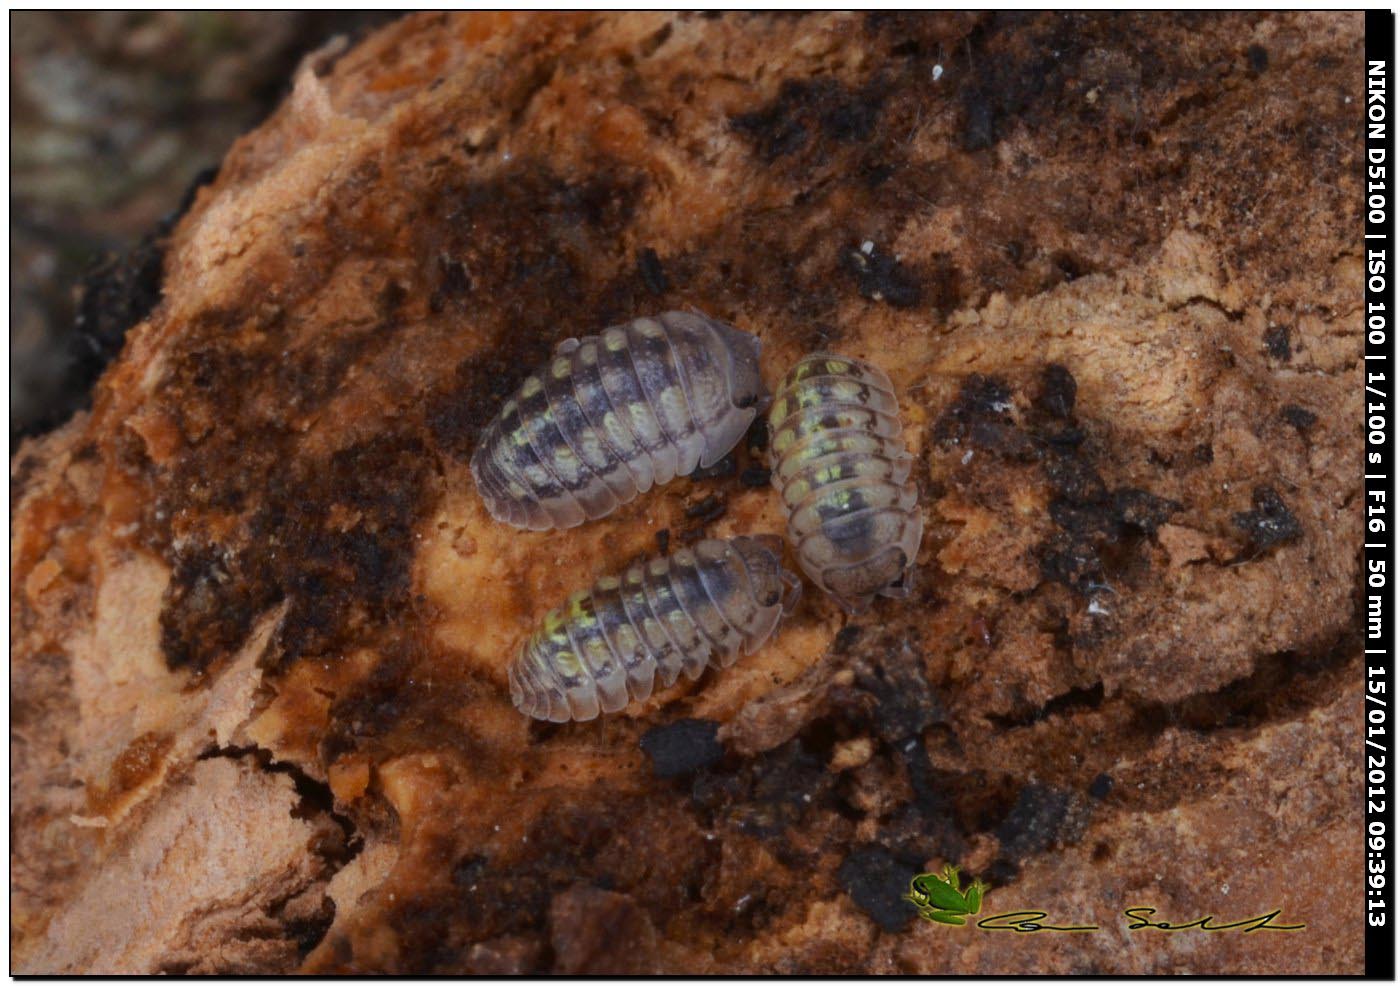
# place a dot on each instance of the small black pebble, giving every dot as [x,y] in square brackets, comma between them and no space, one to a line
[682,747]
[1035,821]
[845,637]
[652,273]
[758,434]
[1270,522]
[876,880]
[1100,786]
[1278,343]
[1299,417]
[1143,510]
[1203,453]
[709,509]
[1258,58]
[880,277]
[755,477]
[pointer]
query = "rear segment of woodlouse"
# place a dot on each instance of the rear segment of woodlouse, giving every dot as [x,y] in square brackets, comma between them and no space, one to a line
[698,607]
[611,415]
[840,465]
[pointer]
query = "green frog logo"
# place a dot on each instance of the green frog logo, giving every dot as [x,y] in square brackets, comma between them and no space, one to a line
[938,897]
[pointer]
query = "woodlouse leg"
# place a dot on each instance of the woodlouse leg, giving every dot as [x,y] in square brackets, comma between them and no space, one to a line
[792,590]
[772,542]
[901,587]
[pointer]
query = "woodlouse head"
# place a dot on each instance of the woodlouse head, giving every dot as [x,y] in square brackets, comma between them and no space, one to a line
[773,584]
[886,574]
[743,349]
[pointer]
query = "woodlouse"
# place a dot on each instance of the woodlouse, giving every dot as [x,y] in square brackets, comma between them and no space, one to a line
[611,415]
[614,643]
[840,466]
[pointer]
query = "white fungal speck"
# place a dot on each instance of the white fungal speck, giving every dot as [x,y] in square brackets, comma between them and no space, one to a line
[967,457]
[867,247]
[937,72]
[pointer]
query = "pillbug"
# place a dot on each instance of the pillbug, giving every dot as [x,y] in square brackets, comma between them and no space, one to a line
[614,643]
[611,415]
[840,465]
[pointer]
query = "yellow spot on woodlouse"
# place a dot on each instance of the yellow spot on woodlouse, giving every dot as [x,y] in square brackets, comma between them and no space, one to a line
[644,424]
[567,663]
[673,405]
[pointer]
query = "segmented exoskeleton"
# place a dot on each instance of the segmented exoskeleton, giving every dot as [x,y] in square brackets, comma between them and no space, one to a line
[610,415]
[840,465]
[700,606]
